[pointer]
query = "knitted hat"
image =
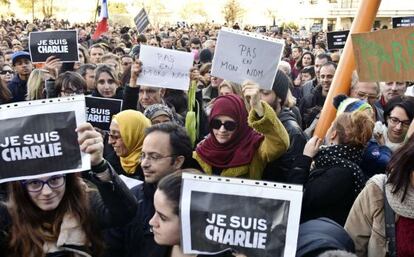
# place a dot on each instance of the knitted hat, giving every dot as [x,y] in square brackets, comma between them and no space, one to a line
[281,85]
[347,104]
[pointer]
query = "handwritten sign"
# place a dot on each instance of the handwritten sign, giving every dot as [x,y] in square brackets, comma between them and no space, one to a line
[241,56]
[99,111]
[398,22]
[62,43]
[38,138]
[385,55]
[165,68]
[337,39]
[212,219]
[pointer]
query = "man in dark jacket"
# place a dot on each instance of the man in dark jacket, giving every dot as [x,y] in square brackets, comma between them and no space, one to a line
[166,148]
[23,67]
[280,169]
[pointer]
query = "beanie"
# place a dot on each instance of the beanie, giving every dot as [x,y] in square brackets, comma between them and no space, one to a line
[281,85]
[348,104]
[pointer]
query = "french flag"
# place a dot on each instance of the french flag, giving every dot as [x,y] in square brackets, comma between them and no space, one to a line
[103,24]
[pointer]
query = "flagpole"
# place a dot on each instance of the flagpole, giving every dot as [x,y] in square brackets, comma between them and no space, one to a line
[96,11]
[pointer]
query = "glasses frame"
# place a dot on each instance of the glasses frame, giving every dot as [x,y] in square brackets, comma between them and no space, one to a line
[152,158]
[226,124]
[395,121]
[25,183]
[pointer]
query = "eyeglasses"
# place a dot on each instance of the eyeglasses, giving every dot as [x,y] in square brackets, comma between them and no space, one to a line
[395,121]
[36,185]
[4,72]
[366,96]
[71,92]
[228,125]
[153,157]
[113,136]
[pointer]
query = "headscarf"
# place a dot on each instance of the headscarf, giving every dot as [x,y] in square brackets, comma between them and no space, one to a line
[132,125]
[155,110]
[241,148]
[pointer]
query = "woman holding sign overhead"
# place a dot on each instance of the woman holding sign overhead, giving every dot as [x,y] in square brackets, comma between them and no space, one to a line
[240,144]
[60,215]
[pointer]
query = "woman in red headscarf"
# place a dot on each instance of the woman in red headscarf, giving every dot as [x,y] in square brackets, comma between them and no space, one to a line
[240,144]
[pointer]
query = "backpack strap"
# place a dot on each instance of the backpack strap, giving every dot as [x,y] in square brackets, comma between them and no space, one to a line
[389,216]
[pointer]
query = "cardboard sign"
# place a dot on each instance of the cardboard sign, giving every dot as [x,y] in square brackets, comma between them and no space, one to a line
[213,218]
[241,56]
[337,39]
[62,44]
[398,22]
[38,138]
[99,111]
[165,68]
[141,21]
[385,55]
[316,28]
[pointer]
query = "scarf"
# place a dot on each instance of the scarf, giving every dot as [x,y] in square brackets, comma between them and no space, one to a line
[132,125]
[344,156]
[406,208]
[243,144]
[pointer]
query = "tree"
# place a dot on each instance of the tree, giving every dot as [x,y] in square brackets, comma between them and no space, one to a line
[191,9]
[232,11]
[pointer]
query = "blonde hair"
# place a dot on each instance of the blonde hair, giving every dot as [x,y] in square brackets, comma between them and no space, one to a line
[235,88]
[36,84]
[354,128]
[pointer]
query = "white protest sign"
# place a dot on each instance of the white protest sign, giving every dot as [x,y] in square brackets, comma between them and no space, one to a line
[38,138]
[241,56]
[254,218]
[165,68]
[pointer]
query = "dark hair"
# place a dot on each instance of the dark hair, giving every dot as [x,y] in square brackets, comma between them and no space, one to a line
[171,184]
[83,69]
[299,63]
[324,56]
[400,168]
[310,70]
[404,102]
[68,79]
[179,140]
[195,41]
[26,237]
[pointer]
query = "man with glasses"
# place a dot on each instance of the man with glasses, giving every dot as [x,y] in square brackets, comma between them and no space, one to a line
[166,148]
[367,91]
[23,67]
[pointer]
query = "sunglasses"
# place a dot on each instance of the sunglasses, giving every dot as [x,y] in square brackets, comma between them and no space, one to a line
[228,125]
[4,72]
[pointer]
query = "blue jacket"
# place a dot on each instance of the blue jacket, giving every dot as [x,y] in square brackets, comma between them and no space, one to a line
[375,159]
[18,88]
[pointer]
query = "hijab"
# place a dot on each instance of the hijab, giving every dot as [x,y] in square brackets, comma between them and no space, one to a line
[132,125]
[241,148]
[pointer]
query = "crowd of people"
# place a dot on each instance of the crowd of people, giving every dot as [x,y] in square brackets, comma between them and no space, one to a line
[352,178]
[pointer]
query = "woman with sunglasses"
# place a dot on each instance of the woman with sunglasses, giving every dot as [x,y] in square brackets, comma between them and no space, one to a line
[61,215]
[6,74]
[240,144]
[126,135]
[388,137]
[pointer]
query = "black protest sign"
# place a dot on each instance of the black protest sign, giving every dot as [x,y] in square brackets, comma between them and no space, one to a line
[337,39]
[141,20]
[243,215]
[62,44]
[99,111]
[38,138]
[42,142]
[398,22]
[225,223]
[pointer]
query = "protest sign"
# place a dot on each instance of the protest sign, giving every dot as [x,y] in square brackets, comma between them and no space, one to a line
[255,218]
[385,55]
[165,68]
[141,20]
[337,39]
[99,111]
[62,44]
[38,138]
[316,28]
[402,22]
[241,56]
[261,29]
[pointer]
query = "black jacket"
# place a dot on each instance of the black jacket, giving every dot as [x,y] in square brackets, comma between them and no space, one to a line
[113,205]
[334,183]
[18,89]
[310,106]
[280,169]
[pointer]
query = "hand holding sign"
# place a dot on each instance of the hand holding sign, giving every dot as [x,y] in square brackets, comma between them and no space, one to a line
[90,142]
[52,64]
[136,69]
[251,93]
